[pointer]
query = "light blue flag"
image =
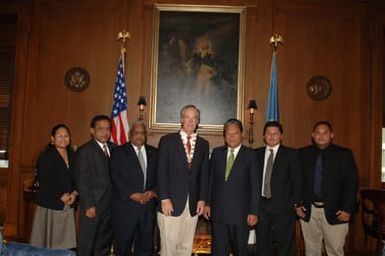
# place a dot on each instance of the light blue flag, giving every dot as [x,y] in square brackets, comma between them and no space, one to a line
[272,111]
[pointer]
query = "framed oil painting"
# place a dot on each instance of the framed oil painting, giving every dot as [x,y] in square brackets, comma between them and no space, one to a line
[198,58]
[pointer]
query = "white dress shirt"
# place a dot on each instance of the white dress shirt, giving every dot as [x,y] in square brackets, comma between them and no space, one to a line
[267,153]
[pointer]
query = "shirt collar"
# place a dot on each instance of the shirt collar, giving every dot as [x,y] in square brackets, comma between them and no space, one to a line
[183,134]
[101,144]
[275,148]
[236,150]
[136,148]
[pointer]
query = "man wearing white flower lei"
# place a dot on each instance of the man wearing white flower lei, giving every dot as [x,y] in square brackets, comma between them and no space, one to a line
[183,166]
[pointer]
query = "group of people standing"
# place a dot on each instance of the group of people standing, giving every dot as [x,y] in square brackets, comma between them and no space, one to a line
[125,190]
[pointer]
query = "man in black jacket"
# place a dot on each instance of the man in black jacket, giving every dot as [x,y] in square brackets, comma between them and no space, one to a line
[93,182]
[329,192]
[281,190]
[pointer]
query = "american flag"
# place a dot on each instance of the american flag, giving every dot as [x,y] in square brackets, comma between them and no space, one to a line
[120,128]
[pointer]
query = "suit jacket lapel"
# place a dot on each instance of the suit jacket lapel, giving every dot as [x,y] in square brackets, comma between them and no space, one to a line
[149,152]
[110,146]
[237,162]
[277,159]
[195,153]
[222,162]
[181,149]
[132,152]
[262,159]
[98,148]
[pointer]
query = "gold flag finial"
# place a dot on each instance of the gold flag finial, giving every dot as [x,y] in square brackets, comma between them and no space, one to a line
[276,40]
[123,36]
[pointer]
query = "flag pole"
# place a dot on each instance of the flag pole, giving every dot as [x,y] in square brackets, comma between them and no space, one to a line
[272,109]
[123,36]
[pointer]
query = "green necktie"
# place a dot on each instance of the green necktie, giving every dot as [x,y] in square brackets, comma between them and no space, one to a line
[229,163]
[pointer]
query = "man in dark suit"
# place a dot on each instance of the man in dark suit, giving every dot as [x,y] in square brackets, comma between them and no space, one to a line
[233,192]
[92,174]
[133,202]
[183,163]
[281,191]
[329,192]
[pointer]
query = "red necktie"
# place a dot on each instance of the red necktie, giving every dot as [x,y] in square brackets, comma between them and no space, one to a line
[188,144]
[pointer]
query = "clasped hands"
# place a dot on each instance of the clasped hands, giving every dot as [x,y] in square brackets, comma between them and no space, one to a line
[142,198]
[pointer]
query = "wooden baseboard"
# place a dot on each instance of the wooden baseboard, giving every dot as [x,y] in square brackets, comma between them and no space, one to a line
[10,230]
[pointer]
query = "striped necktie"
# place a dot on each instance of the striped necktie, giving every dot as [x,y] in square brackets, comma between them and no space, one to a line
[105,150]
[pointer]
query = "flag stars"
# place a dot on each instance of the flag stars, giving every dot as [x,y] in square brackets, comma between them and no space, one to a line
[120,96]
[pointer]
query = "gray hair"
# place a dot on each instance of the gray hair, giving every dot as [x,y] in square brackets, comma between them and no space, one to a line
[138,122]
[193,107]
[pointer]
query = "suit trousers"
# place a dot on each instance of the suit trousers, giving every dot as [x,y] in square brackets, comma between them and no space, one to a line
[177,233]
[318,229]
[228,238]
[134,229]
[275,231]
[95,235]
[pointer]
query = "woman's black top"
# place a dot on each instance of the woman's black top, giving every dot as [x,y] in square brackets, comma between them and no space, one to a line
[55,177]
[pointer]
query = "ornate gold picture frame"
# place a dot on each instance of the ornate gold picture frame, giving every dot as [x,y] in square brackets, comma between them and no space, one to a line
[198,58]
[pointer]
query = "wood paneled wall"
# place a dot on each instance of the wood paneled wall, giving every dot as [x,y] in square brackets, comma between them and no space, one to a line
[342,40]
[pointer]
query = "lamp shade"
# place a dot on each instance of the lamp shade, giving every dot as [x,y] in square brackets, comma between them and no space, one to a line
[252,104]
[142,101]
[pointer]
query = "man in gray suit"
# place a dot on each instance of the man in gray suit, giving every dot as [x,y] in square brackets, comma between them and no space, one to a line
[94,185]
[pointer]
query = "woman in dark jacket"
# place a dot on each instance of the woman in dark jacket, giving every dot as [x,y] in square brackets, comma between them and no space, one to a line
[54,221]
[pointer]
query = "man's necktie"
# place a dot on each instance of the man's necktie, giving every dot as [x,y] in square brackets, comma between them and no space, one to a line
[269,171]
[105,151]
[188,144]
[188,151]
[229,163]
[318,176]
[142,164]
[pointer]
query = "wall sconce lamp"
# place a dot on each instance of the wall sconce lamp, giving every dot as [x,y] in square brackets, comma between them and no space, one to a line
[141,104]
[252,108]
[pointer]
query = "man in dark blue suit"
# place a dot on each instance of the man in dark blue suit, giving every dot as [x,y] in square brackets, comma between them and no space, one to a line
[233,192]
[133,203]
[281,191]
[183,163]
